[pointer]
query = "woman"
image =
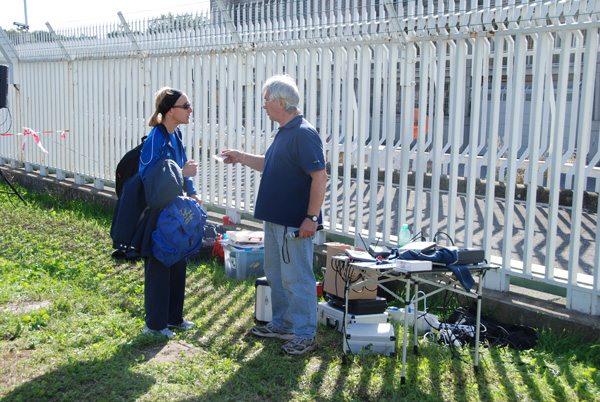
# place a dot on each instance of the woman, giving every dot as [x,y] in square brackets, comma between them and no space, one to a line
[165,286]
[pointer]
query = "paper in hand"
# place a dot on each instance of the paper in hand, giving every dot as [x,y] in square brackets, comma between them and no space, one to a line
[220,157]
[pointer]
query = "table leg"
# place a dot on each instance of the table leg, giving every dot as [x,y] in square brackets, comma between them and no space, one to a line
[345,317]
[405,330]
[477,323]
[416,315]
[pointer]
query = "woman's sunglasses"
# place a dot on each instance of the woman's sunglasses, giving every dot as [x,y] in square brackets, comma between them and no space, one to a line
[185,106]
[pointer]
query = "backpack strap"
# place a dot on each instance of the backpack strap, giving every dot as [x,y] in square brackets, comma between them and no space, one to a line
[178,138]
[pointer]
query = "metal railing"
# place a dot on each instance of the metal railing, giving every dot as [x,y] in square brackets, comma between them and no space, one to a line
[472,121]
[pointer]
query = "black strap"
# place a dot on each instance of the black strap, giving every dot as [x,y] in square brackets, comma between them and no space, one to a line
[178,138]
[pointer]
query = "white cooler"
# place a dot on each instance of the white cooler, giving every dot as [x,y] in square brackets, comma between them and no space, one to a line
[333,317]
[262,301]
[370,338]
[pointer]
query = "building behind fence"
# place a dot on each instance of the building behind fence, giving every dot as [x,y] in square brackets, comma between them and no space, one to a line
[469,120]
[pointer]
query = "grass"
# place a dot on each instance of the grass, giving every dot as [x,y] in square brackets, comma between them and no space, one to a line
[81,338]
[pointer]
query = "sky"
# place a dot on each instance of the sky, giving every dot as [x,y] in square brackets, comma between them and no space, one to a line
[69,13]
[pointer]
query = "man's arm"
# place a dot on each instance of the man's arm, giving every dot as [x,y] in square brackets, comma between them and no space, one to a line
[255,162]
[317,196]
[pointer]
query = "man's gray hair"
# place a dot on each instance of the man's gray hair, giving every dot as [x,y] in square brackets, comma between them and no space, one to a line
[283,87]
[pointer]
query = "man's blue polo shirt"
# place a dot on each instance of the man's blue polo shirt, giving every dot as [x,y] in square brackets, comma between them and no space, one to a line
[284,192]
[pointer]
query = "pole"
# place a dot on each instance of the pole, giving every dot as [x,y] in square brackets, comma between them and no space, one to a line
[26,21]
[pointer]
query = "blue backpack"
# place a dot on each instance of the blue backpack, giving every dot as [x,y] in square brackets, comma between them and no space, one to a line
[179,231]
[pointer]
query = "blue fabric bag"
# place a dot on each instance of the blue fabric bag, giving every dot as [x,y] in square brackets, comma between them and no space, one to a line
[163,183]
[445,256]
[179,231]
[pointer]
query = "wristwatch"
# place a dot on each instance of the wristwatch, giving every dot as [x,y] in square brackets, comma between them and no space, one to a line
[313,218]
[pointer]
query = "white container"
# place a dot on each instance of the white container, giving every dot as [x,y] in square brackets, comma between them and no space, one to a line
[425,321]
[370,338]
[244,263]
[413,265]
[245,236]
[333,317]
[263,312]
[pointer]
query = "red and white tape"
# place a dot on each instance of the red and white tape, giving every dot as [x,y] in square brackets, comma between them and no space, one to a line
[27,131]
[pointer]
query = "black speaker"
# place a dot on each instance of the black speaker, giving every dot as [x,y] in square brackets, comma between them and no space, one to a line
[3,86]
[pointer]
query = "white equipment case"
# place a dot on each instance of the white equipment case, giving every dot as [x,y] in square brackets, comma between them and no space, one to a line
[369,338]
[262,301]
[333,317]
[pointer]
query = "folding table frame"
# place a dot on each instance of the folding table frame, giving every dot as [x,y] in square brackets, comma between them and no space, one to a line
[379,274]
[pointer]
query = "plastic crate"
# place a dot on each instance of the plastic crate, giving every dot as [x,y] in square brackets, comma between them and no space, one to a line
[244,263]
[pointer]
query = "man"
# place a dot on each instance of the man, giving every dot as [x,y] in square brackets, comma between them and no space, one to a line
[290,196]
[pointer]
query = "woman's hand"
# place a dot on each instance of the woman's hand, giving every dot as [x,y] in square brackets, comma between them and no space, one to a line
[190,169]
[197,198]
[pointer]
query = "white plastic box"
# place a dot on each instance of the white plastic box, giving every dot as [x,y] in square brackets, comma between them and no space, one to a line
[333,317]
[244,263]
[263,312]
[412,266]
[425,321]
[245,236]
[370,338]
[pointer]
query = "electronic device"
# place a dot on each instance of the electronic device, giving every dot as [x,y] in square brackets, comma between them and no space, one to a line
[295,234]
[425,247]
[358,306]
[359,255]
[469,256]
[334,318]
[379,251]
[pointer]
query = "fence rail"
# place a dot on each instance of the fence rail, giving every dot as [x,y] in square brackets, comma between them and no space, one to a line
[440,101]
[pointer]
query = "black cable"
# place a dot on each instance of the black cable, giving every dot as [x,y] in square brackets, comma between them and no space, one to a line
[420,236]
[7,118]
[343,271]
[442,233]
[284,248]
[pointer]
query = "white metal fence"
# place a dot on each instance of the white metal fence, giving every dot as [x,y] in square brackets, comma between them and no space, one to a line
[453,106]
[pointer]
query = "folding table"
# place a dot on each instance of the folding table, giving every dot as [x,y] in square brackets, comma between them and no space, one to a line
[439,278]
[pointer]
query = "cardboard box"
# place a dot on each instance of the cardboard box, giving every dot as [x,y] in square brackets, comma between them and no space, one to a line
[335,278]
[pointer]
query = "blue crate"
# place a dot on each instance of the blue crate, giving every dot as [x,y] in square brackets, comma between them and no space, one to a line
[244,263]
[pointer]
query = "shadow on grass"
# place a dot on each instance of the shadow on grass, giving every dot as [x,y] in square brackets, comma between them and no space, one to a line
[264,373]
[99,378]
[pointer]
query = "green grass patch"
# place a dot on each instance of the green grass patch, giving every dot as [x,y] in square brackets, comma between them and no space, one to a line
[71,320]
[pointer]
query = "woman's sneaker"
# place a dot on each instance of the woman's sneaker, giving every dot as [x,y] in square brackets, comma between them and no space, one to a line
[299,346]
[158,333]
[268,331]
[184,326]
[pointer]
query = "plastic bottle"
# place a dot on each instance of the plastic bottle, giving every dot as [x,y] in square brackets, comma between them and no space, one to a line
[403,236]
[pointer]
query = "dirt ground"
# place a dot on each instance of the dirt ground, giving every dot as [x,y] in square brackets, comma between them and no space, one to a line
[165,353]
[24,307]
[170,352]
